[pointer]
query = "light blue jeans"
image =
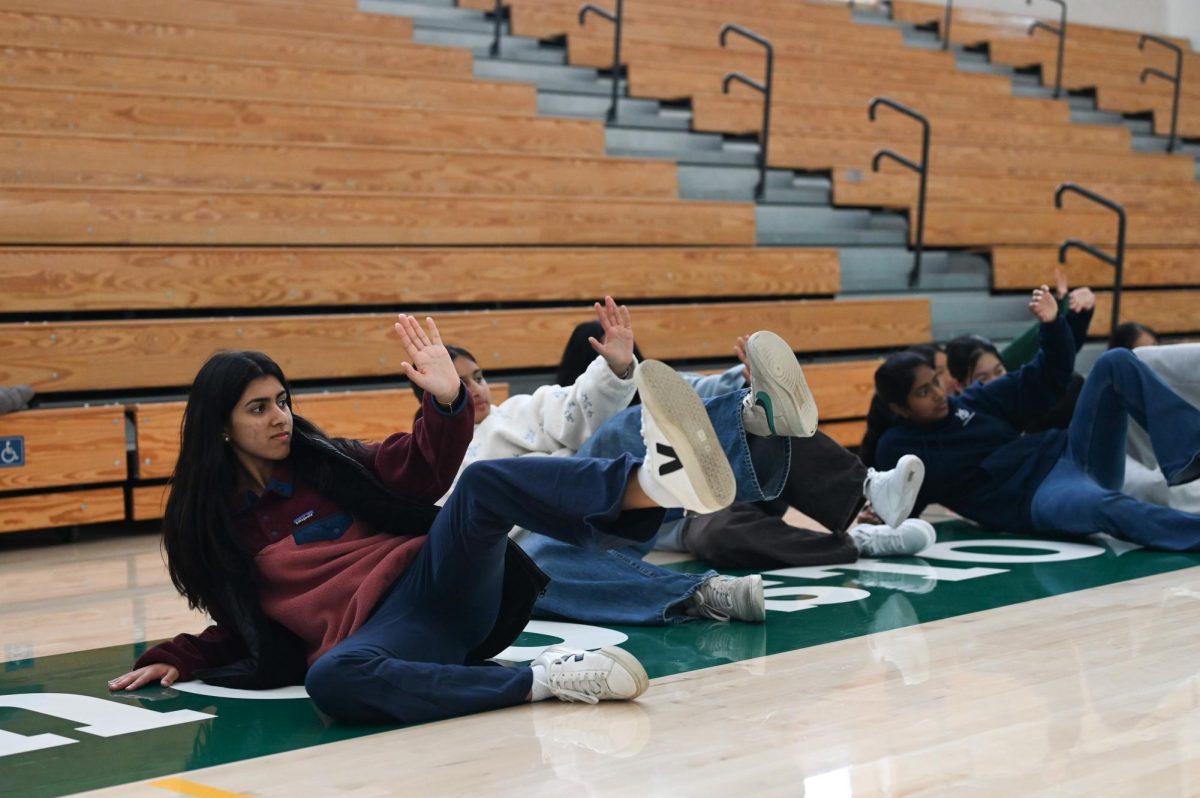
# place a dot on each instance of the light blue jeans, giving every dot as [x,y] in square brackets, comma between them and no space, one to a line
[617,586]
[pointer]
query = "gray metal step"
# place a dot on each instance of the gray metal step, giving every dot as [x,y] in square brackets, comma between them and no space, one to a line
[632,112]
[986,67]
[887,269]
[503,69]
[1142,143]
[512,48]
[798,225]
[632,138]
[462,19]
[970,312]
[1047,92]
[686,156]
[920,39]
[736,184]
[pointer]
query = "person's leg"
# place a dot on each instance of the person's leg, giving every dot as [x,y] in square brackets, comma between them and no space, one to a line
[1070,501]
[608,587]
[825,482]
[753,536]
[760,465]
[1121,387]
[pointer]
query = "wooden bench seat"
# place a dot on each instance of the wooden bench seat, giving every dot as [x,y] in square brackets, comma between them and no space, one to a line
[65,447]
[112,161]
[43,67]
[105,355]
[342,21]
[48,280]
[1158,104]
[1028,267]
[1169,312]
[147,216]
[954,226]
[117,36]
[61,508]
[67,110]
[859,187]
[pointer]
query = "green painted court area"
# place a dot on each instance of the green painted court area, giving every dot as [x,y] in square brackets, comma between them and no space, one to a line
[85,738]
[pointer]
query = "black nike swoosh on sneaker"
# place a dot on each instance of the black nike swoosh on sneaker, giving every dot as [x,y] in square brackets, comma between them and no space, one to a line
[666,469]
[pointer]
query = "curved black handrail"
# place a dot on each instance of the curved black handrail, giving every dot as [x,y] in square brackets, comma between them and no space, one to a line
[767,89]
[617,19]
[497,25]
[921,169]
[1176,79]
[1061,33]
[1117,261]
[946,20]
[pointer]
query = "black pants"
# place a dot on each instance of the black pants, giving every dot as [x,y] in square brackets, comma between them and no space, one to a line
[825,483]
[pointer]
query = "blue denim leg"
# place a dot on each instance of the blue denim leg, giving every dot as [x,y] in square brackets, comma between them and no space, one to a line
[607,587]
[1071,501]
[1121,387]
[759,464]
[406,662]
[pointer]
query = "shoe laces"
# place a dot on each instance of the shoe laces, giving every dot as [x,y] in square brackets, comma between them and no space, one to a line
[714,600]
[577,685]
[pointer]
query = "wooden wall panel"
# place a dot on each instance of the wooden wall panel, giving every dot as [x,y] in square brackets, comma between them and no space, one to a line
[46,510]
[68,446]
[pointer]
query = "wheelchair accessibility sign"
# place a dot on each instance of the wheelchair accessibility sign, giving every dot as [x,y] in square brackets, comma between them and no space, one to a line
[12,451]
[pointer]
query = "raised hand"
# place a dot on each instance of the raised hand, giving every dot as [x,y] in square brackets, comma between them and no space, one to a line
[1082,300]
[617,346]
[429,365]
[739,349]
[1043,305]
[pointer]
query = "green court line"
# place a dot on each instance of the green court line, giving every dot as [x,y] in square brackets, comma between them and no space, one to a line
[870,602]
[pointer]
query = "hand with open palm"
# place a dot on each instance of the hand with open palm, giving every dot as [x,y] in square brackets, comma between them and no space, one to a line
[617,346]
[429,365]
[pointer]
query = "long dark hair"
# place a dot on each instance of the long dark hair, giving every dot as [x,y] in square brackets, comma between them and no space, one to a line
[893,380]
[1126,335]
[578,353]
[205,559]
[963,353]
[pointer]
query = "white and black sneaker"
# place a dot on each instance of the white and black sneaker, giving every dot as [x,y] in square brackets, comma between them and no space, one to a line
[893,494]
[779,402]
[910,537]
[610,674]
[685,465]
[723,598]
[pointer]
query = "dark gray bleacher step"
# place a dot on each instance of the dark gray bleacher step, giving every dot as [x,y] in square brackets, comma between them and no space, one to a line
[1095,117]
[1145,143]
[996,316]
[736,184]
[633,112]
[1047,93]
[679,145]
[551,77]
[915,37]
[512,48]
[799,225]
[871,269]
[429,14]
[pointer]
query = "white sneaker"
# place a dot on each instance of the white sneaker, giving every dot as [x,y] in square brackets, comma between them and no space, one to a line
[779,402]
[892,494]
[685,465]
[876,540]
[610,674]
[722,598]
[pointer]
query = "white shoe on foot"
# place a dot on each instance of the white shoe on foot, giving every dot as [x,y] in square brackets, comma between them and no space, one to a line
[723,598]
[610,674]
[779,402]
[685,465]
[877,540]
[892,494]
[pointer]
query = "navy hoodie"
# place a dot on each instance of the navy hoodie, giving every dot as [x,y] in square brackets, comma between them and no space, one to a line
[977,462]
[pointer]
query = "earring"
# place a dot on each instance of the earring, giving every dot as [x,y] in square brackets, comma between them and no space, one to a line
[226,437]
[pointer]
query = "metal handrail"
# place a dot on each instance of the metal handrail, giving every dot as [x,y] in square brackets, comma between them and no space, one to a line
[946,20]
[767,89]
[1117,261]
[1061,33]
[921,169]
[617,19]
[497,24]
[1177,79]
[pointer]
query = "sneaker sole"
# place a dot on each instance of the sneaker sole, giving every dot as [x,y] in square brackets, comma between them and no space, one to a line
[631,664]
[773,364]
[681,418]
[911,470]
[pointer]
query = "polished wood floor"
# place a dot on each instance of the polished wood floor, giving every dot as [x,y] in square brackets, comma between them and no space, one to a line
[1090,693]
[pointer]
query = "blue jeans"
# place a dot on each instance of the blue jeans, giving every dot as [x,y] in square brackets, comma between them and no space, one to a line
[406,663]
[1082,493]
[617,586]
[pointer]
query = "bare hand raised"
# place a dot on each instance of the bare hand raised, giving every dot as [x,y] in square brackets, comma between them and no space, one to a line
[1082,300]
[617,346]
[429,365]
[1043,305]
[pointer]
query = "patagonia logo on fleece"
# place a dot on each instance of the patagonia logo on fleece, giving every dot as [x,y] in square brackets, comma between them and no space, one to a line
[964,416]
[300,519]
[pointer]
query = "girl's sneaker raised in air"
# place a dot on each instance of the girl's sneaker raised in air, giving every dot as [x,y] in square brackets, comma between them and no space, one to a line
[893,494]
[685,465]
[779,402]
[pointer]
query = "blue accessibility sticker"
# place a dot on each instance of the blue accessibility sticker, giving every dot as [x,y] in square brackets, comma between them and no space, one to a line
[12,451]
